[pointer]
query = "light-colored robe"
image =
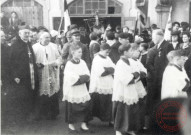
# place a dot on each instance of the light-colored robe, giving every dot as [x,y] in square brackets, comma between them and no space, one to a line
[173,83]
[78,93]
[49,82]
[101,84]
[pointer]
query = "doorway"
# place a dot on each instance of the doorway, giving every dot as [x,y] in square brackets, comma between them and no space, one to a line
[113,21]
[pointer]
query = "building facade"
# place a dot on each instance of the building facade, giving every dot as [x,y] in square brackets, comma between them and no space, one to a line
[114,12]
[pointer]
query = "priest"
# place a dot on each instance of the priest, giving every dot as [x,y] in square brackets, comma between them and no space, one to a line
[48,61]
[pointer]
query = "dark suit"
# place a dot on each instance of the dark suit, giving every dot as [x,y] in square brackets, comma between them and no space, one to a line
[177,46]
[156,64]
[22,94]
[188,71]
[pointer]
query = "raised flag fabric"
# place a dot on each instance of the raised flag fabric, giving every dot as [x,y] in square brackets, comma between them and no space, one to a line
[67,21]
[167,34]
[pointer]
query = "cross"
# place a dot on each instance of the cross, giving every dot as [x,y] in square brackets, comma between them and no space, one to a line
[29,53]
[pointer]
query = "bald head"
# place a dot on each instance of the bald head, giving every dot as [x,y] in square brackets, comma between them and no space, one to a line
[44,38]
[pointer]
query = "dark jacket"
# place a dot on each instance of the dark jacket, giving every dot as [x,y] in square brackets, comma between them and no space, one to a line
[20,63]
[157,61]
[177,46]
[114,54]
[188,71]
[5,63]
[156,64]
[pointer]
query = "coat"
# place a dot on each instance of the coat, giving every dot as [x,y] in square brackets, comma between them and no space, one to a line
[20,63]
[157,61]
[156,64]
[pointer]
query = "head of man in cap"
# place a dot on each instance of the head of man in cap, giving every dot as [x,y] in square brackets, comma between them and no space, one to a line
[75,34]
[24,33]
[124,38]
[175,26]
[175,36]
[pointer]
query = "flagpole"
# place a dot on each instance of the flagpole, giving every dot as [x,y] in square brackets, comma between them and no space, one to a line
[136,25]
[62,10]
[59,28]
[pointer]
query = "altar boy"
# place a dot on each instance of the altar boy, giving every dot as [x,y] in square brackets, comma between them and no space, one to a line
[175,81]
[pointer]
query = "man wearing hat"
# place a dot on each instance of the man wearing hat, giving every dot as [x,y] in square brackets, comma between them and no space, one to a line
[174,37]
[75,34]
[24,76]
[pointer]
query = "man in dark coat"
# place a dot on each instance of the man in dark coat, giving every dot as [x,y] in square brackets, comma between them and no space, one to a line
[24,76]
[188,71]
[156,64]
[5,82]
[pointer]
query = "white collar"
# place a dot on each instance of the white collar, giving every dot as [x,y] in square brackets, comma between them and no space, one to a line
[174,44]
[110,42]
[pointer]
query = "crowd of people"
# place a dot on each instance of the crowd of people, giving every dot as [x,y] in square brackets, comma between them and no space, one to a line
[114,75]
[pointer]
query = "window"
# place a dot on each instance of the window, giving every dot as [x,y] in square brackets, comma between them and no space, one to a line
[76,7]
[89,7]
[18,3]
[114,7]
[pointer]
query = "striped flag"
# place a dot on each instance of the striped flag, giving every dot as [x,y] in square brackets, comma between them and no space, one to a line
[142,10]
[167,34]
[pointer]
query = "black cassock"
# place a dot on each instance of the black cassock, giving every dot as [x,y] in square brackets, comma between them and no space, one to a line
[23,94]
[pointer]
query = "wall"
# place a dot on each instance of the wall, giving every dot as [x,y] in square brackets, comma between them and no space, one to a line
[180,11]
[151,11]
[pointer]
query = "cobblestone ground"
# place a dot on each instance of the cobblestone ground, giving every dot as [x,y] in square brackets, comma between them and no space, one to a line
[59,127]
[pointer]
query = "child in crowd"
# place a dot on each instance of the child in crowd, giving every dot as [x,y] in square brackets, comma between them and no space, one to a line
[127,91]
[94,46]
[101,84]
[175,80]
[76,95]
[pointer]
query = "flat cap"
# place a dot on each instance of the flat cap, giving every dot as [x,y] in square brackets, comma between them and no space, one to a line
[74,31]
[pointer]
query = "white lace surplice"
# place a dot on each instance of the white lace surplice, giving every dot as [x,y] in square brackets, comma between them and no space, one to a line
[49,74]
[79,93]
[99,84]
[122,90]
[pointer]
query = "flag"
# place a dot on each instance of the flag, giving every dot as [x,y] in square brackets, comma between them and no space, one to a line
[67,21]
[167,34]
[142,10]
[64,15]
